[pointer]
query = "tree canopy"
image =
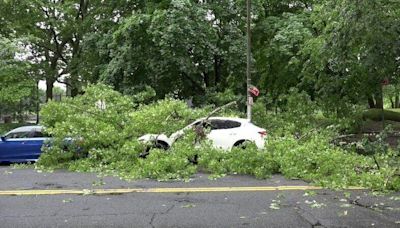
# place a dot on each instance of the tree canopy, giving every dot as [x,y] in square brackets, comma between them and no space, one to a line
[338,51]
[15,80]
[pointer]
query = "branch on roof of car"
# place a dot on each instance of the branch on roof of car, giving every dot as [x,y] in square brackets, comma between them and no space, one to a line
[200,133]
[218,109]
[174,115]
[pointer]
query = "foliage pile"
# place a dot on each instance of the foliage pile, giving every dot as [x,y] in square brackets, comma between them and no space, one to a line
[106,127]
[316,160]
[299,114]
[296,114]
[103,123]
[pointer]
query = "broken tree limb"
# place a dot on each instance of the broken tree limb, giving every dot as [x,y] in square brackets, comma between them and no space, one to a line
[219,109]
[199,128]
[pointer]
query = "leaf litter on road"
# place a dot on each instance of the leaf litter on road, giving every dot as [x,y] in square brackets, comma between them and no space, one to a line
[69,200]
[344,213]
[315,204]
[396,198]
[87,192]
[275,205]
[309,193]
[345,205]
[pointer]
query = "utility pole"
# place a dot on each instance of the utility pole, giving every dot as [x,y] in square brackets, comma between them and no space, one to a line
[383,109]
[248,73]
[37,102]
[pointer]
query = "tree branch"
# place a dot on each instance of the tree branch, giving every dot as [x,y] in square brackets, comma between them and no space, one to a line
[193,81]
[64,82]
[220,108]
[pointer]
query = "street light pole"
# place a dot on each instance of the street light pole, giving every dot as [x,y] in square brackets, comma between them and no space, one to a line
[248,73]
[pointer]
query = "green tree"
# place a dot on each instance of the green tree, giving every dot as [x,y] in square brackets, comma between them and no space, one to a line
[181,47]
[55,32]
[278,43]
[17,83]
[360,48]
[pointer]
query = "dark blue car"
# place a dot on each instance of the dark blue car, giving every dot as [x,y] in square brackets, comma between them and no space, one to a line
[22,144]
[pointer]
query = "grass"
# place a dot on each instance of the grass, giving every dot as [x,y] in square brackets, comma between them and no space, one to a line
[376,114]
[27,165]
[373,120]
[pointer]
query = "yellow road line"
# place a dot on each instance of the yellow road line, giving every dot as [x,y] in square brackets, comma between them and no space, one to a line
[157,190]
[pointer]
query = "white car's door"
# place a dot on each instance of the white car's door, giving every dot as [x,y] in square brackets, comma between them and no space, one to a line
[223,133]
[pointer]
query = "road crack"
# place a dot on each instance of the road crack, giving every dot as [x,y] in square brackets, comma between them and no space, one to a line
[308,217]
[169,209]
[375,207]
[153,217]
[152,220]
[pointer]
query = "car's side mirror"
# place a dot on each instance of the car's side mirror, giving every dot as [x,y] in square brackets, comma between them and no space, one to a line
[3,138]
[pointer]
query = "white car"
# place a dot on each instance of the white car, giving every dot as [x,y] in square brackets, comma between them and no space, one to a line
[225,133]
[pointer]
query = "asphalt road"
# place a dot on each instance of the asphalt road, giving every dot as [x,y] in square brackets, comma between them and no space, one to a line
[226,208]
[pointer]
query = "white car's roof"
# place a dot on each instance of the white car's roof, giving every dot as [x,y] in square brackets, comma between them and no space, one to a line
[26,128]
[227,118]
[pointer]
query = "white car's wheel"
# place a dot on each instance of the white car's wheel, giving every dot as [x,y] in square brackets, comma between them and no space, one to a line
[241,144]
[158,145]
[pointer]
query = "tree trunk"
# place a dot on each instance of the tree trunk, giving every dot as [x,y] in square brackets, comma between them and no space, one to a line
[217,69]
[75,83]
[397,102]
[379,101]
[49,89]
[371,102]
[207,80]
[74,90]
[20,113]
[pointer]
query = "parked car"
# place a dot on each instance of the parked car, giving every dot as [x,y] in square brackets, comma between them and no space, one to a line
[22,144]
[224,133]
